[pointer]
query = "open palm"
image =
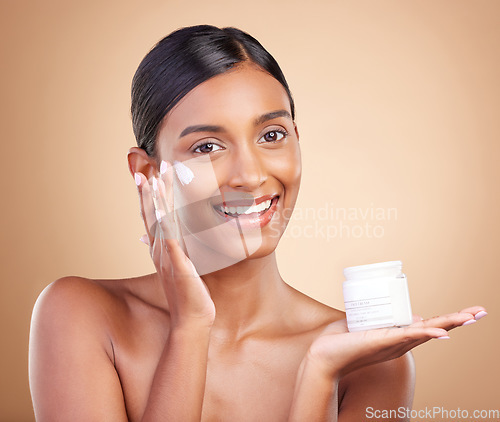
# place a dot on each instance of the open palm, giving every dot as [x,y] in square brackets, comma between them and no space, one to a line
[339,352]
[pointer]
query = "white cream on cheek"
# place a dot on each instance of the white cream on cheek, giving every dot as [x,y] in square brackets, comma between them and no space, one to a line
[184,173]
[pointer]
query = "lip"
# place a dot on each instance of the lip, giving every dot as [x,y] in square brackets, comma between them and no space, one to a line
[253,220]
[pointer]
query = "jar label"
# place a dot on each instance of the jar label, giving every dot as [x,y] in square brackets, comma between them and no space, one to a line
[368,312]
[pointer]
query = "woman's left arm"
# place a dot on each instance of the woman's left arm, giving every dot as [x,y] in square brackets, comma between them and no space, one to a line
[362,394]
[365,361]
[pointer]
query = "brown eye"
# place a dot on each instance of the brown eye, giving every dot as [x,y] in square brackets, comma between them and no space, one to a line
[207,148]
[273,136]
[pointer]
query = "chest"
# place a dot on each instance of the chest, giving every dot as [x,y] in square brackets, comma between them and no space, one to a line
[251,381]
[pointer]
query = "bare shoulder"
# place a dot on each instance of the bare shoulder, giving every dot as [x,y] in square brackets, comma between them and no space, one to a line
[312,314]
[79,294]
[95,306]
[72,349]
[71,295]
[72,289]
[385,385]
[71,304]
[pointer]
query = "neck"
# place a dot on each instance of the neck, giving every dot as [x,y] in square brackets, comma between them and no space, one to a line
[247,295]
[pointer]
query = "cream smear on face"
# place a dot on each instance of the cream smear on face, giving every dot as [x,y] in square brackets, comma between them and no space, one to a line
[184,173]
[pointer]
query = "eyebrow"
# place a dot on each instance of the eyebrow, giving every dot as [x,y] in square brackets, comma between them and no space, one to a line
[214,128]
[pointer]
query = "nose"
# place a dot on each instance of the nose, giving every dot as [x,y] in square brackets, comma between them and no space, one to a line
[248,170]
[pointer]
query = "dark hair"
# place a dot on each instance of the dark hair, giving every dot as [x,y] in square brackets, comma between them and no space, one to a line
[181,61]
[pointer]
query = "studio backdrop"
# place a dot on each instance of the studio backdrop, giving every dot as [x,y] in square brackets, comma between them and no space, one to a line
[398,113]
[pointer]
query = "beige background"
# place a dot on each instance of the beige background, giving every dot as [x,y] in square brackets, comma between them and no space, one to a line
[398,106]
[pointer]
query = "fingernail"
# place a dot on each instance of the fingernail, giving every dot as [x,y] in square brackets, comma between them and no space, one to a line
[144,239]
[155,184]
[158,215]
[137,179]
[480,314]
[163,167]
[443,338]
[469,322]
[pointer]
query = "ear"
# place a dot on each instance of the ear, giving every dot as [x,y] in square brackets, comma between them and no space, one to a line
[296,131]
[140,161]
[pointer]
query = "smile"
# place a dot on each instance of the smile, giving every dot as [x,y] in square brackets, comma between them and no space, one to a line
[237,211]
[249,215]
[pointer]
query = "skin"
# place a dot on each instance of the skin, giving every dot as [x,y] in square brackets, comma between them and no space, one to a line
[235,344]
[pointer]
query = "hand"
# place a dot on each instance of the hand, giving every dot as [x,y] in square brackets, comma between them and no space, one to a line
[188,297]
[338,352]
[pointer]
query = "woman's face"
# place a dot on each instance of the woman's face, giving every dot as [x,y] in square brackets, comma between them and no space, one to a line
[235,149]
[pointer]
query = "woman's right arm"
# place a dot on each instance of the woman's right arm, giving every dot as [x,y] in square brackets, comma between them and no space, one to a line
[179,381]
[72,373]
[71,363]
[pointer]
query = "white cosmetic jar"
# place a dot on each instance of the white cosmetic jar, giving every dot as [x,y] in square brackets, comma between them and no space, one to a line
[376,296]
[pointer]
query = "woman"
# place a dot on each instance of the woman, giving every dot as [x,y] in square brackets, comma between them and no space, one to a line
[214,333]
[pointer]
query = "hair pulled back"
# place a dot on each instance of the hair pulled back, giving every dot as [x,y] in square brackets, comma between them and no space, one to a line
[182,60]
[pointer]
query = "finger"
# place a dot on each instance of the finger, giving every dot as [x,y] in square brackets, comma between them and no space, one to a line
[164,192]
[161,257]
[146,205]
[152,236]
[166,176]
[164,218]
[166,183]
[170,215]
[420,341]
[410,334]
[397,341]
[181,265]
[409,345]
[447,322]
[169,230]
[168,254]
[477,311]
[177,259]
[422,334]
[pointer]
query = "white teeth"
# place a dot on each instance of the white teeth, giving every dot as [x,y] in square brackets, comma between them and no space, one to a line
[244,210]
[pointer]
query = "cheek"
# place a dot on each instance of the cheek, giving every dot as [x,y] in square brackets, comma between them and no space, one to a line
[288,169]
[200,186]
[192,201]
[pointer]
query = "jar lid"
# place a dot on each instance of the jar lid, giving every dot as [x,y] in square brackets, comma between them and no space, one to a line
[380,269]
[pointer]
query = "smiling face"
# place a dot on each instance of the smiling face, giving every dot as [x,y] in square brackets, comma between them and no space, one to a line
[238,157]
